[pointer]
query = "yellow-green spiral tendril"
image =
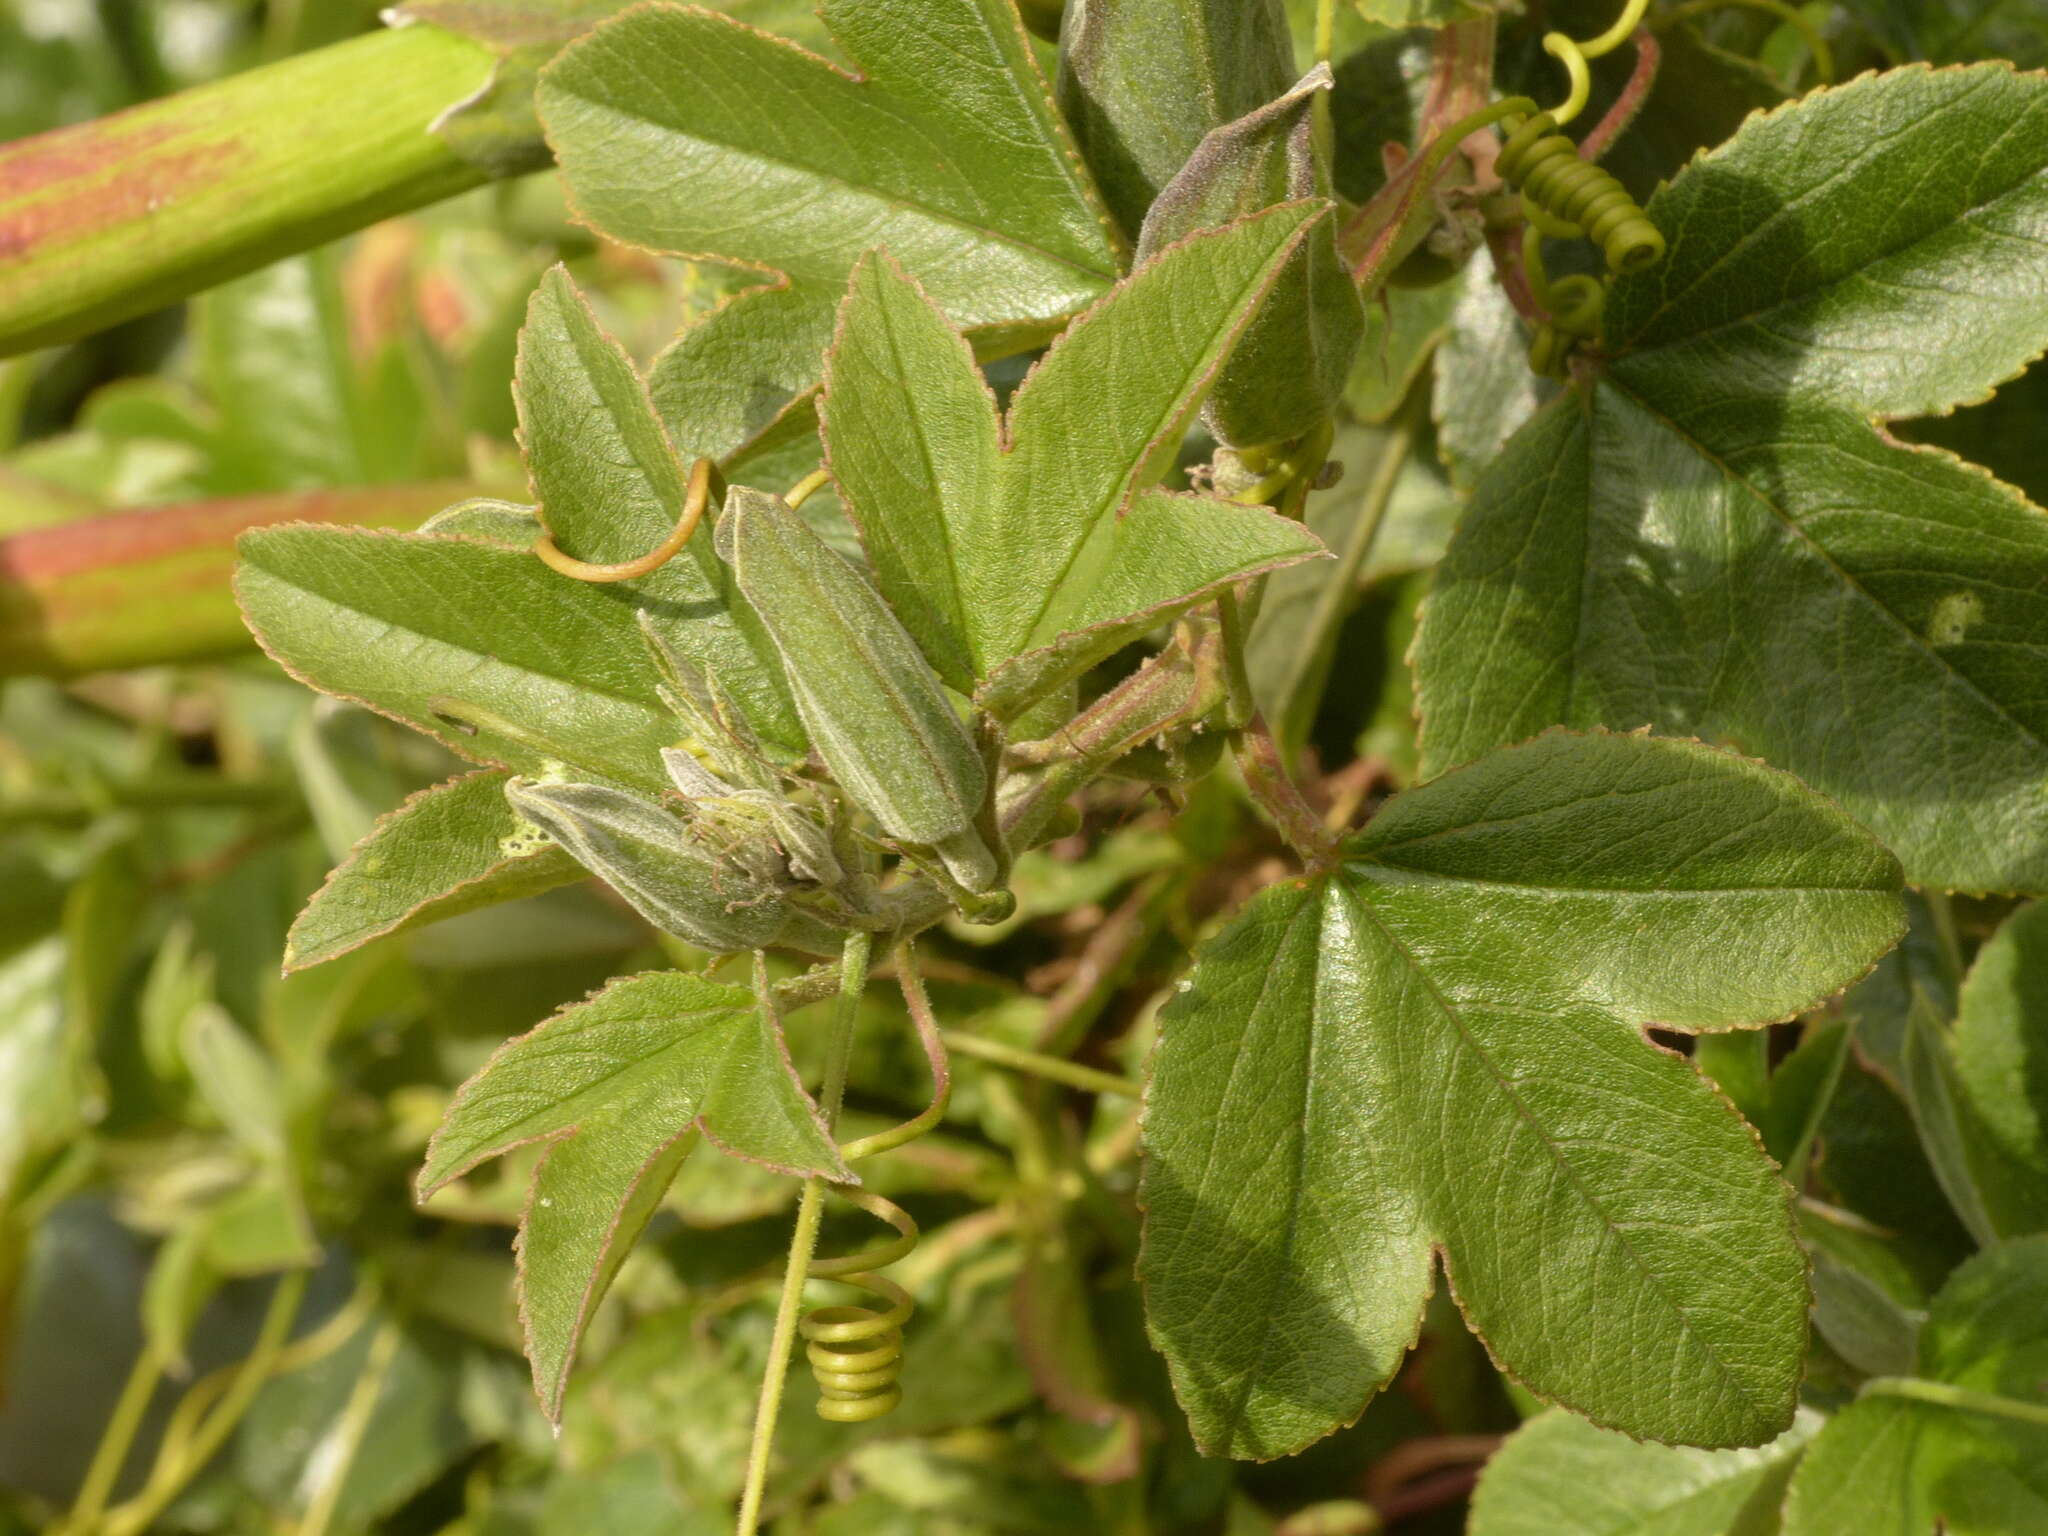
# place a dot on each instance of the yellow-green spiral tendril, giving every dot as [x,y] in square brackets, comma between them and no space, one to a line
[1545,167]
[856,1352]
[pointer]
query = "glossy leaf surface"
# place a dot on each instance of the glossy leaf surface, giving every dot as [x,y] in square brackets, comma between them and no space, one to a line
[614,1085]
[1039,532]
[1437,1047]
[1710,537]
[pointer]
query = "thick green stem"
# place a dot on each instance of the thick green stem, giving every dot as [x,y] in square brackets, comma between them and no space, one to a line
[803,1242]
[111,219]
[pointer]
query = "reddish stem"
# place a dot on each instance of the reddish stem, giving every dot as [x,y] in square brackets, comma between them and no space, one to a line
[1628,103]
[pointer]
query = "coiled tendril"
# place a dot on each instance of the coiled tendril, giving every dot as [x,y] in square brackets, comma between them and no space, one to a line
[1565,195]
[856,1352]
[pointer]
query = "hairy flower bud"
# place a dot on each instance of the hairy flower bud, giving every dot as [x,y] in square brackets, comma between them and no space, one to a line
[876,712]
[719,893]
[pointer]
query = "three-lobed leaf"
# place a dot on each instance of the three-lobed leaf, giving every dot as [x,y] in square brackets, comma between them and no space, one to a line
[615,1085]
[1437,1048]
[1019,549]
[1709,535]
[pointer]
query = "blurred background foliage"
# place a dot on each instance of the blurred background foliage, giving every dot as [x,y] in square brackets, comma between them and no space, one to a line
[205,1198]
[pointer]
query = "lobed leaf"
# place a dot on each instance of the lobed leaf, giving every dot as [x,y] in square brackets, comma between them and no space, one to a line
[615,1084]
[1711,537]
[1437,1047]
[994,539]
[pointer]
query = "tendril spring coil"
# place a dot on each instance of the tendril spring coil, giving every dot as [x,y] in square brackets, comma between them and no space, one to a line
[856,1352]
[1545,166]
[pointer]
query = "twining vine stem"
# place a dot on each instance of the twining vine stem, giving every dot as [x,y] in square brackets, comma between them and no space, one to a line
[803,1242]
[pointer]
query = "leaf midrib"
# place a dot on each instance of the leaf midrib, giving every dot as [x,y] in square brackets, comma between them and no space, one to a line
[1651,1279]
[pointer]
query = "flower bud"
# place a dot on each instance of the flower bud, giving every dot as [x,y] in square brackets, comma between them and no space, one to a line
[719,893]
[875,710]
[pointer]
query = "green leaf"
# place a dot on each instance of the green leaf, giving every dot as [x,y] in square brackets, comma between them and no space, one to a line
[1437,1048]
[686,131]
[1560,1476]
[1900,1466]
[46,1081]
[1711,537]
[611,486]
[1037,533]
[1143,82]
[413,625]
[1289,368]
[454,848]
[1484,389]
[615,1085]
[2001,1043]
